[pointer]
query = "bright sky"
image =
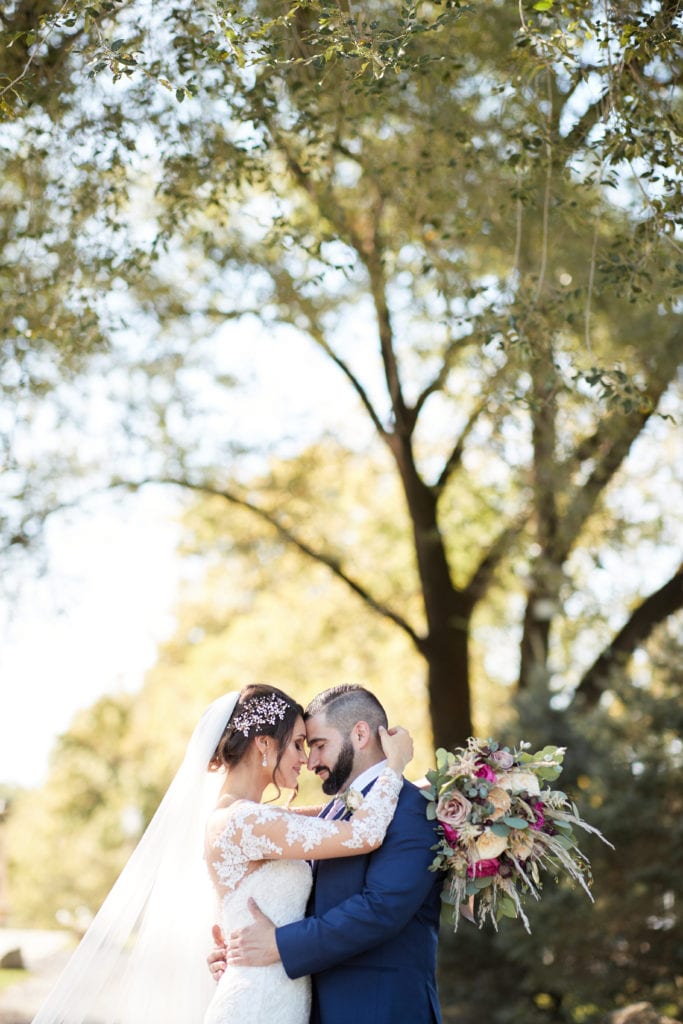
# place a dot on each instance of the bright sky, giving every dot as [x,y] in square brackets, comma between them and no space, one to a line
[114,575]
[93,623]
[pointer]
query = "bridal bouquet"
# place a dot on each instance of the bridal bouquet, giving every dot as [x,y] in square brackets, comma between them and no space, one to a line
[501,826]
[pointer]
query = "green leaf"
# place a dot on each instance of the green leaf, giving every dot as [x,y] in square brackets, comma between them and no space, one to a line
[565,825]
[499,828]
[516,822]
[441,759]
[506,907]
[543,5]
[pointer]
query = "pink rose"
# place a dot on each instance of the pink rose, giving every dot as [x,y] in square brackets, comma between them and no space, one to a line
[485,772]
[502,759]
[453,808]
[484,868]
[451,834]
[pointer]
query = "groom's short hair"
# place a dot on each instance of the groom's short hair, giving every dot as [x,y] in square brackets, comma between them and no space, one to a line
[346,704]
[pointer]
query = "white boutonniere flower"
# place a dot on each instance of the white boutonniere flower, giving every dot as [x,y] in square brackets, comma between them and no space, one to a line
[352,800]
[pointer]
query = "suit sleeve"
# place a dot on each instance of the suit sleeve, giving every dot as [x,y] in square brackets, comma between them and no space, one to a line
[397,883]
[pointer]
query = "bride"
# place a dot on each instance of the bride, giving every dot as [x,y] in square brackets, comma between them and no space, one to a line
[143,959]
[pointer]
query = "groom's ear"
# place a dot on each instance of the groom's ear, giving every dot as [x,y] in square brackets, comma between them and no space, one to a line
[361,735]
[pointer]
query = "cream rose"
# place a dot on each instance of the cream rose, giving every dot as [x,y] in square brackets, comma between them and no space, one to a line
[453,808]
[521,843]
[519,782]
[501,801]
[490,846]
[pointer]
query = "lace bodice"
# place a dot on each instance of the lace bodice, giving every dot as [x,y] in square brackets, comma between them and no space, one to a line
[246,833]
[252,995]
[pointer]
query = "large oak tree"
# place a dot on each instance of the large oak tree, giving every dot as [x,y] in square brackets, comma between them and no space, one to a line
[470,212]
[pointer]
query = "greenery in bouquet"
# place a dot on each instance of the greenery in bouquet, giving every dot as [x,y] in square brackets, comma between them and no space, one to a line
[502,827]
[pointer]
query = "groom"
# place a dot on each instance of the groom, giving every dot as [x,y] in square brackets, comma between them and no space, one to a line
[370,938]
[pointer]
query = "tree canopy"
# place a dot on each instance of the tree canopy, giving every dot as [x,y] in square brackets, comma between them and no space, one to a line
[468,211]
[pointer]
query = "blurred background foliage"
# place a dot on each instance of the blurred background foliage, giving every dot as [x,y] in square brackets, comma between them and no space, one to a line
[254,610]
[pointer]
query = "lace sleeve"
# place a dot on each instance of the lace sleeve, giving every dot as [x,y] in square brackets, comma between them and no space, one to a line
[259,832]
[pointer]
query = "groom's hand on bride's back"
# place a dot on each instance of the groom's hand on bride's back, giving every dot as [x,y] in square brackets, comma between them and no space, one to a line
[255,945]
[216,958]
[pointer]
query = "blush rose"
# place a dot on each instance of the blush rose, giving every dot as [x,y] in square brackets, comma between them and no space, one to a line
[453,808]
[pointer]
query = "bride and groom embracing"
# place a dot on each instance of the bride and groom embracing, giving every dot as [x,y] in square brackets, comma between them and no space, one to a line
[330,915]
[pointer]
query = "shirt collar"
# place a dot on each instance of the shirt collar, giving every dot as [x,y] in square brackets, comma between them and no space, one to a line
[368,776]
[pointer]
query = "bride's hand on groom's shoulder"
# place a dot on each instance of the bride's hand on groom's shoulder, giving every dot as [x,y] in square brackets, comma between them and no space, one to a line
[397,744]
[216,958]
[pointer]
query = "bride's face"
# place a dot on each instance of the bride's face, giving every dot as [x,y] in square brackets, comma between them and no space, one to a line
[293,757]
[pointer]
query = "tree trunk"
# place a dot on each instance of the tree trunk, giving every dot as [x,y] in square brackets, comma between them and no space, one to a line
[448,611]
[448,681]
[546,574]
[533,668]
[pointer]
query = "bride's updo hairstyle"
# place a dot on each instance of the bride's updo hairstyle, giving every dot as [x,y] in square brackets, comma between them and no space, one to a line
[260,711]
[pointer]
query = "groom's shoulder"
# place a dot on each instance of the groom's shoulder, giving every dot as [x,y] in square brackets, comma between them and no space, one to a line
[411,800]
[411,792]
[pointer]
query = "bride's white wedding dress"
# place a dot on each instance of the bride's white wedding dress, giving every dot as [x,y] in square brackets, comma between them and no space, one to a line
[253,850]
[245,994]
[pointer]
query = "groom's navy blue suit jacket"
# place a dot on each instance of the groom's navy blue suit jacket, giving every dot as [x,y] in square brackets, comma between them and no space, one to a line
[370,938]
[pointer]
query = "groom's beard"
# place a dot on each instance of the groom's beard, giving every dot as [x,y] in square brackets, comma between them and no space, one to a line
[340,772]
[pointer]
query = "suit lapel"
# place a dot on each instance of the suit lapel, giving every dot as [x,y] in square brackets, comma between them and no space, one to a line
[341,815]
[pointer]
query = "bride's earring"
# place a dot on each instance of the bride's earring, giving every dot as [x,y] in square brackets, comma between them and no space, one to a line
[264,762]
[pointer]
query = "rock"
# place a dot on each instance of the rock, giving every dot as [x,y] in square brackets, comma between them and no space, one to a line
[638,1013]
[13,959]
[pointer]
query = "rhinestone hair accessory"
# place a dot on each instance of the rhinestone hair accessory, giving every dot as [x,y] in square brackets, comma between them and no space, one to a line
[259,711]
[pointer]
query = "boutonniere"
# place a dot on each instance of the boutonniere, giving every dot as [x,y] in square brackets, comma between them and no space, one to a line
[351,799]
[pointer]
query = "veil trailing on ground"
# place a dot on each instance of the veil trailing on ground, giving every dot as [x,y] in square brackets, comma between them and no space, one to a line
[143,958]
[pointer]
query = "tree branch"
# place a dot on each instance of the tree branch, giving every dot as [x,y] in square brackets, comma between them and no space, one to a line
[288,535]
[610,446]
[440,378]
[455,457]
[320,340]
[317,335]
[403,417]
[481,578]
[650,613]
[365,244]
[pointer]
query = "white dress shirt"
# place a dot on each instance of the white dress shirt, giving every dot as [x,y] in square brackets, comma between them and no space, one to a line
[358,784]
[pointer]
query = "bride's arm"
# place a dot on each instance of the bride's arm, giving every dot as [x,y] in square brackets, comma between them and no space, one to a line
[272,833]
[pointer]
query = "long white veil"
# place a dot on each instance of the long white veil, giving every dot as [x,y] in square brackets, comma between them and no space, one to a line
[143,958]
